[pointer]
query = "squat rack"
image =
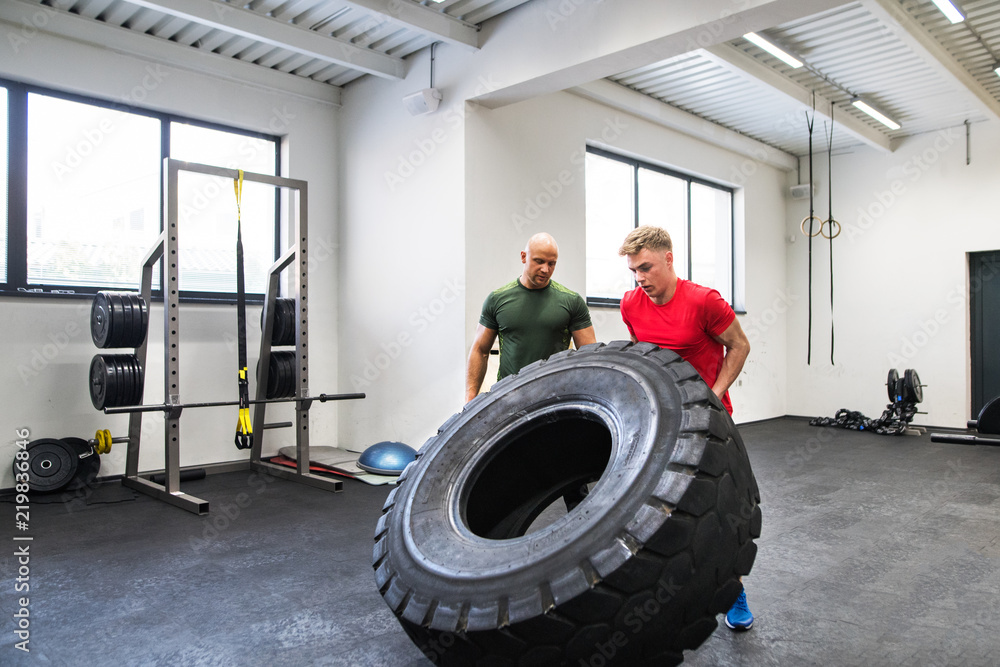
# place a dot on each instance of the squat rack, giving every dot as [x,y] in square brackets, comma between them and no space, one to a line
[166,248]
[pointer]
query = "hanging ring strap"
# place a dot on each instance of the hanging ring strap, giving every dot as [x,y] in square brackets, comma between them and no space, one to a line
[244,429]
[830,222]
[812,218]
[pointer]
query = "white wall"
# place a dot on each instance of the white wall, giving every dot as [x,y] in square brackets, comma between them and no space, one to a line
[900,283]
[402,265]
[47,342]
[527,176]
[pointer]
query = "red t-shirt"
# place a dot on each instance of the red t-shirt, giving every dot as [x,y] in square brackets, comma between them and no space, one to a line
[685,324]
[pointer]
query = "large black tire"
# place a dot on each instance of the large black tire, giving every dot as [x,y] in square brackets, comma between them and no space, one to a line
[634,574]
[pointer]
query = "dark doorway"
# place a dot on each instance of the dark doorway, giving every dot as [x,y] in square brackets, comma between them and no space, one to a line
[984,302]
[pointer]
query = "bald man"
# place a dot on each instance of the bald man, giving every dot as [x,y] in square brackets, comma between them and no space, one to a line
[534,316]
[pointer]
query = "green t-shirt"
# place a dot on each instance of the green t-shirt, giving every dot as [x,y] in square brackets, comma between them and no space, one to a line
[532,323]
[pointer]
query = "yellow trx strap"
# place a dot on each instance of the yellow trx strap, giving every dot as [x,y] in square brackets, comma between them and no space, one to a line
[244,429]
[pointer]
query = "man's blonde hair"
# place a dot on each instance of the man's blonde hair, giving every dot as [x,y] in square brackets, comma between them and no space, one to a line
[646,236]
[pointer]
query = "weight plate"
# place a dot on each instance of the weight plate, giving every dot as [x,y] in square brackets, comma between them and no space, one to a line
[135,340]
[100,377]
[88,464]
[989,418]
[128,380]
[128,332]
[912,391]
[143,318]
[288,322]
[289,375]
[135,320]
[891,383]
[117,315]
[51,464]
[277,330]
[121,391]
[134,375]
[269,389]
[277,382]
[276,379]
[100,320]
[140,384]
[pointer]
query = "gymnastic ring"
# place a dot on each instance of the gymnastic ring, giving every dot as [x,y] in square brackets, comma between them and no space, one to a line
[806,219]
[831,222]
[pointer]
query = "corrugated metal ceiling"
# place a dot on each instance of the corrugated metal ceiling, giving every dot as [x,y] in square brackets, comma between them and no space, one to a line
[848,51]
[875,48]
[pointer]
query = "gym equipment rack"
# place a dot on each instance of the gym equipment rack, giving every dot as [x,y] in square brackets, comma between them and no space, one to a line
[294,258]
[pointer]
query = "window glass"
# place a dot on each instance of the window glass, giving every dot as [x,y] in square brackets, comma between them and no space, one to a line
[3,182]
[207,210]
[711,238]
[93,193]
[663,203]
[623,193]
[610,217]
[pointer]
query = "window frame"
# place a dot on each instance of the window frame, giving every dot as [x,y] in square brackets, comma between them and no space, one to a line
[636,164]
[15,283]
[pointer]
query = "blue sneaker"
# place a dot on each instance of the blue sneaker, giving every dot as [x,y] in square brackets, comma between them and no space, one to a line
[739,617]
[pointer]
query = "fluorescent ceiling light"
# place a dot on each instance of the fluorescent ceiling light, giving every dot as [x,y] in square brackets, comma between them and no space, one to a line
[772,49]
[996,68]
[875,113]
[949,10]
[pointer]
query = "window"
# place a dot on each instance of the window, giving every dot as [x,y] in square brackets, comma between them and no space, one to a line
[623,193]
[83,203]
[3,181]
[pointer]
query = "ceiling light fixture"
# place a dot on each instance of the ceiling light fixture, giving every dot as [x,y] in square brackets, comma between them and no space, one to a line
[867,107]
[753,37]
[949,10]
[996,68]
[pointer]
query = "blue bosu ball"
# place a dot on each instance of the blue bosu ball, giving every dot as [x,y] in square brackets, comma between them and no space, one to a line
[386,458]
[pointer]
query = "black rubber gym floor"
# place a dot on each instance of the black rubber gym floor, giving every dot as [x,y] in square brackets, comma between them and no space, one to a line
[876,550]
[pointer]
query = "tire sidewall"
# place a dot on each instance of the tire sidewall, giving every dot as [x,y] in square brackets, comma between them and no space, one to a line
[432,549]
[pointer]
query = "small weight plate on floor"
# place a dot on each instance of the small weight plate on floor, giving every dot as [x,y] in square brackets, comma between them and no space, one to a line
[88,464]
[100,320]
[51,464]
[891,383]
